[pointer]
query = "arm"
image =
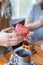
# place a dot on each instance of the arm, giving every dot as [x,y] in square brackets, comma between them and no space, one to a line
[32,26]
[29,22]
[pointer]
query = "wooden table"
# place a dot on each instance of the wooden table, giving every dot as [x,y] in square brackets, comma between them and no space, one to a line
[37,57]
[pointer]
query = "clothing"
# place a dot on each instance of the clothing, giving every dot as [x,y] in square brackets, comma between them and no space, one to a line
[34,15]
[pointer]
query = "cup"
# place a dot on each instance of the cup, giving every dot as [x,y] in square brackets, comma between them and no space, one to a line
[23,56]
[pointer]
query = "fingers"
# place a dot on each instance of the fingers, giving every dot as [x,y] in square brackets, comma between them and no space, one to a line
[30,33]
[7,29]
[15,41]
[7,35]
[28,37]
[16,33]
[12,41]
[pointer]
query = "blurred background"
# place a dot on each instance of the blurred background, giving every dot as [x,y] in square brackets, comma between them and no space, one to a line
[20,8]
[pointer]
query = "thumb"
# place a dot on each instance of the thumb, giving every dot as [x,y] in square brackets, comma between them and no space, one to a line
[7,29]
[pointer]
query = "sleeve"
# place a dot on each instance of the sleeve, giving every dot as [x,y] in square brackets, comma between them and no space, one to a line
[30,14]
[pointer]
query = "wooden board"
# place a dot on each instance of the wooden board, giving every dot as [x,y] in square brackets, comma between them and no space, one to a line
[5,58]
[37,57]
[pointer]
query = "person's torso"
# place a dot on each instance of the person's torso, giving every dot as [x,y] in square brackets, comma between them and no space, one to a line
[37,14]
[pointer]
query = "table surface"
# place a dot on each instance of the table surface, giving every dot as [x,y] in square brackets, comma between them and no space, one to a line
[37,57]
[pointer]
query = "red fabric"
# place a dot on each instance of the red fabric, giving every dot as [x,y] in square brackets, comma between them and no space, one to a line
[21,29]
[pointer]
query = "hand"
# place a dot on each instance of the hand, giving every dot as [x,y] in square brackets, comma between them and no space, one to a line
[28,36]
[41,20]
[7,29]
[9,39]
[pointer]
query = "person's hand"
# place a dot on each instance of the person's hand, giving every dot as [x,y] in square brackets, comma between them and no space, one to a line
[41,20]
[4,36]
[28,36]
[7,29]
[9,39]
